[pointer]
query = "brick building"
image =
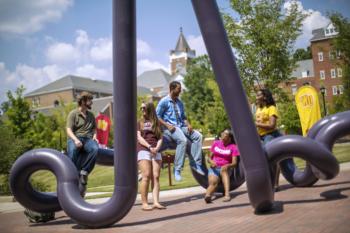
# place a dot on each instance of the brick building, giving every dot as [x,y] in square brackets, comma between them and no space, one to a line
[324,69]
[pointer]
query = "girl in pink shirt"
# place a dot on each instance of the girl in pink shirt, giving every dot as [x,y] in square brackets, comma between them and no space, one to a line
[222,159]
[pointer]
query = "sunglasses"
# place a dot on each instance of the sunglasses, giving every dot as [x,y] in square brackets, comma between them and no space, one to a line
[143,108]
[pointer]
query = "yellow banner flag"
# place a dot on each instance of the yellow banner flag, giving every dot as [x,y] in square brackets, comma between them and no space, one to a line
[308,107]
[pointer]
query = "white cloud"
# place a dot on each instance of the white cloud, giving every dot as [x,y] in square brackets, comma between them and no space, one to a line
[30,77]
[82,38]
[90,70]
[313,21]
[24,17]
[62,53]
[143,48]
[197,43]
[84,56]
[102,49]
[146,64]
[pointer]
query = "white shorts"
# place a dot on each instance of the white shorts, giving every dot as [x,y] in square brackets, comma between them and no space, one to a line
[146,155]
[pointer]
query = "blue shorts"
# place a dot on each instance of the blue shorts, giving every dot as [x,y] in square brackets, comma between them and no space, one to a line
[216,171]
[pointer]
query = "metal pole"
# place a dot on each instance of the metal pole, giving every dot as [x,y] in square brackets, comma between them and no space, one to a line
[324,104]
[236,104]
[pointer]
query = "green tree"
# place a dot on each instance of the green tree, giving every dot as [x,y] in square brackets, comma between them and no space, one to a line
[216,118]
[17,113]
[11,148]
[302,54]
[289,117]
[341,43]
[263,39]
[198,95]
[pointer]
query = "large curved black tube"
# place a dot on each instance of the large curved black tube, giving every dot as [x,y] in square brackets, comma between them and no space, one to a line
[124,87]
[316,149]
[257,173]
[331,127]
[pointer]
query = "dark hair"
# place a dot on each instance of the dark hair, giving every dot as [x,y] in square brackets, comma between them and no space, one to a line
[84,96]
[268,98]
[151,114]
[230,134]
[173,85]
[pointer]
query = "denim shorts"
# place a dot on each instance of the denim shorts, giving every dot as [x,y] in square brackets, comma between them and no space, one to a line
[216,171]
[146,155]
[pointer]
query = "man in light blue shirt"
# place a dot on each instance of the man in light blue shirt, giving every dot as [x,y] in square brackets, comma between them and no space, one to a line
[171,114]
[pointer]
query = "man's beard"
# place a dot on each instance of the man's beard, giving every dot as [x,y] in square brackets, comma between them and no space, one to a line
[88,107]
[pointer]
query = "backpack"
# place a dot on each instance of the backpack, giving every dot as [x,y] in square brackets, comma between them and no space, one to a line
[36,217]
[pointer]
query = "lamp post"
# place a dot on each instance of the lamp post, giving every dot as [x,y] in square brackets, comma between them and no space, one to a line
[323,92]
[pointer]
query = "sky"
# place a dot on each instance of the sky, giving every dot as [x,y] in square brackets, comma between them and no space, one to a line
[44,40]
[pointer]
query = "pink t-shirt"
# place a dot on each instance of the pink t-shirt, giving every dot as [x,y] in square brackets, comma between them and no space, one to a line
[222,154]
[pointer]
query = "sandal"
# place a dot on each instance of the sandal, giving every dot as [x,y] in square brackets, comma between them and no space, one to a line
[159,207]
[147,208]
[226,199]
[207,199]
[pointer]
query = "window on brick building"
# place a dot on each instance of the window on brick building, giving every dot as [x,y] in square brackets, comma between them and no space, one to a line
[338,53]
[340,72]
[320,56]
[335,90]
[333,74]
[341,89]
[305,74]
[294,88]
[322,74]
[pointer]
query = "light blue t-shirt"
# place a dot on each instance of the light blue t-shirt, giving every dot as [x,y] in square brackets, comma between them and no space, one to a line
[172,112]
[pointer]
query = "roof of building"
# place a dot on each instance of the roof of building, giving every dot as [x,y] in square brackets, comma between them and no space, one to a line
[74,82]
[182,45]
[154,79]
[319,33]
[303,66]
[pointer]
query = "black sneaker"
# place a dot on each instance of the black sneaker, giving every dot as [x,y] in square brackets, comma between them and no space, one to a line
[83,179]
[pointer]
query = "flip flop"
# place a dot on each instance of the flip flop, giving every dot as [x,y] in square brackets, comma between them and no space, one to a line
[207,199]
[148,208]
[226,199]
[159,207]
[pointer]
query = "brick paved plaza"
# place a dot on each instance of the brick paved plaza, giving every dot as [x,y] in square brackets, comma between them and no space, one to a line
[322,208]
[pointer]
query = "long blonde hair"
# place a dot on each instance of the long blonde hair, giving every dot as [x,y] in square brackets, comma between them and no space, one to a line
[151,115]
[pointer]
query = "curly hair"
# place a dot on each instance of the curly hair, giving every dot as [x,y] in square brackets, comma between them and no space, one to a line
[83,97]
[268,98]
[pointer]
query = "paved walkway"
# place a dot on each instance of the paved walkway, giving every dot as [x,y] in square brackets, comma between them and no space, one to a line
[325,207]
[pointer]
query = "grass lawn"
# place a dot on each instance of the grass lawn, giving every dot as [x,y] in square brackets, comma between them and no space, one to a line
[102,177]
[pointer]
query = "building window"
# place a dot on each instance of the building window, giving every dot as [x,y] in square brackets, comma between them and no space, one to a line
[341,89]
[36,102]
[331,55]
[56,103]
[335,90]
[333,74]
[340,72]
[294,88]
[320,56]
[322,74]
[305,74]
[338,53]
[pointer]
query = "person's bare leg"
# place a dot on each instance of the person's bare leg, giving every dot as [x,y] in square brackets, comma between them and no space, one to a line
[156,165]
[277,177]
[145,166]
[226,182]
[213,183]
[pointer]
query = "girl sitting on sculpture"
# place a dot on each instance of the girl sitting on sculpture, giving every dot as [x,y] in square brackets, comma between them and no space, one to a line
[223,158]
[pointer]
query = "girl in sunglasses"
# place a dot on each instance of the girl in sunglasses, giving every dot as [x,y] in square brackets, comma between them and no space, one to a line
[149,137]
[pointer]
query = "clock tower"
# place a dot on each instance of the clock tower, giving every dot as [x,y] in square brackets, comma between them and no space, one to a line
[180,56]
